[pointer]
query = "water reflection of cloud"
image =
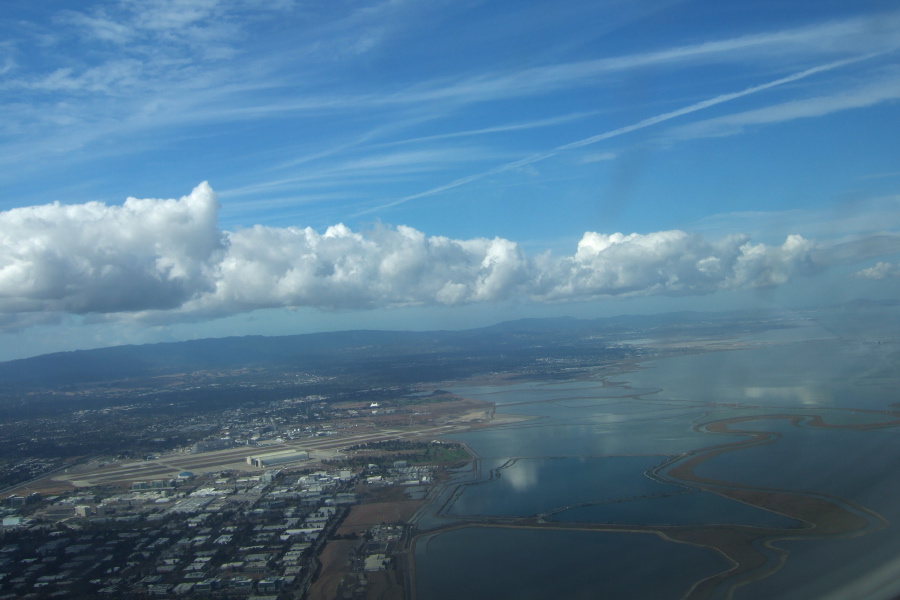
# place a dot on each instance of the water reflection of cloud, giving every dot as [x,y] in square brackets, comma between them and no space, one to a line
[800,394]
[522,476]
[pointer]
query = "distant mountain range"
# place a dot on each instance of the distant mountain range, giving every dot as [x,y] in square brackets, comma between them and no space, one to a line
[325,350]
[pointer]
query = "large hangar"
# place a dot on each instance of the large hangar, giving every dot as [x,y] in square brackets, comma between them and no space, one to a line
[272,459]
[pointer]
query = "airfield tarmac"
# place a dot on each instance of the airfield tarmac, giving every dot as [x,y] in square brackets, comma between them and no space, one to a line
[168,466]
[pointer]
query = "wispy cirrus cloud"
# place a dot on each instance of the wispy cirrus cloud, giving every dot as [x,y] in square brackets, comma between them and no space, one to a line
[884,87]
[159,41]
[369,167]
[152,72]
[874,217]
[163,28]
[643,124]
[509,127]
[855,36]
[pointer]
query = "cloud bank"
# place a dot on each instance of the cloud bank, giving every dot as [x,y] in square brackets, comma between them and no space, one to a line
[169,259]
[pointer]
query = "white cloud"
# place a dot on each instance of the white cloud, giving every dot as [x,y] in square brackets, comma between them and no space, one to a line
[669,262]
[112,76]
[100,26]
[850,37]
[642,124]
[549,122]
[203,25]
[597,157]
[134,70]
[273,267]
[145,254]
[885,88]
[163,15]
[881,270]
[167,260]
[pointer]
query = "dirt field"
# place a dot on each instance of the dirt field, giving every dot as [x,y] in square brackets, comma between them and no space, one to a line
[384,586]
[334,562]
[364,516]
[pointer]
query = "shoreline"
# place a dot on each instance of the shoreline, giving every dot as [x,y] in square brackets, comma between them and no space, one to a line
[826,516]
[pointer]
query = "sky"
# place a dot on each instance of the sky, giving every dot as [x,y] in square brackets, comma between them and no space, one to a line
[178,169]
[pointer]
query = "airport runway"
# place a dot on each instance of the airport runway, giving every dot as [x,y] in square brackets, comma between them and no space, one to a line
[169,466]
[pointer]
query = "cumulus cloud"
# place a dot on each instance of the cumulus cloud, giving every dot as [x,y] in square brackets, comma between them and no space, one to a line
[669,262]
[85,258]
[882,270]
[273,267]
[168,259]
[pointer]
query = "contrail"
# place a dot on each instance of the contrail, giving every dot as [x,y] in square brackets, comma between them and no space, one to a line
[692,108]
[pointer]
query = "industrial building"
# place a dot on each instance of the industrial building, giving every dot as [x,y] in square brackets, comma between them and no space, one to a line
[264,461]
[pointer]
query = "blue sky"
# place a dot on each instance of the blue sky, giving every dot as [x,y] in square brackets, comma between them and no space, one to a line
[302,165]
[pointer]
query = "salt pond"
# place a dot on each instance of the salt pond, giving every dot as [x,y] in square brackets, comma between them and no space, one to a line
[588,453]
[503,563]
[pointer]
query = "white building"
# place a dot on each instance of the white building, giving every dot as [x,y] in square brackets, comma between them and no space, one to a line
[264,461]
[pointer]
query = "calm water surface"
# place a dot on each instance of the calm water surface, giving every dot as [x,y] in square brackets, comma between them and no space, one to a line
[499,564]
[587,456]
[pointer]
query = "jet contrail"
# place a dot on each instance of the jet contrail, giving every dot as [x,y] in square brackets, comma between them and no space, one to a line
[686,110]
